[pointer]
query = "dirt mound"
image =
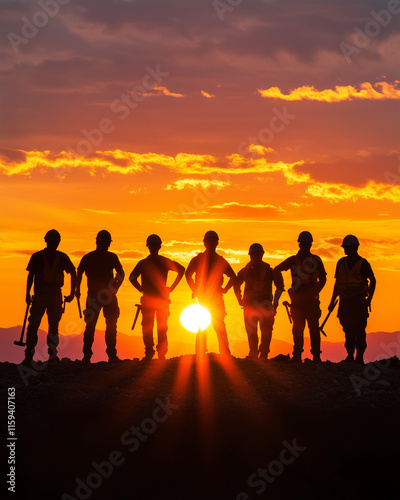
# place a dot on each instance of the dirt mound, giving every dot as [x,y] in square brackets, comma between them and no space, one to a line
[210,428]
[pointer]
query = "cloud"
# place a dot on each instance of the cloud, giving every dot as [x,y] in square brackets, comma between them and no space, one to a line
[163,91]
[102,212]
[243,209]
[206,94]
[340,93]
[197,183]
[343,192]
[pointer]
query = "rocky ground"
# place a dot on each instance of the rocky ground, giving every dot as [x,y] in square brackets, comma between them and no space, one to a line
[210,428]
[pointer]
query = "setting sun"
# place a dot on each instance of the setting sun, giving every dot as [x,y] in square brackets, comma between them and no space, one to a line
[195,318]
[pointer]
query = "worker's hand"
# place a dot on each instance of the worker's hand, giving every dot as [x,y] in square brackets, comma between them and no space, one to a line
[240,300]
[331,306]
[28,299]
[169,289]
[69,298]
[77,293]
[369,304]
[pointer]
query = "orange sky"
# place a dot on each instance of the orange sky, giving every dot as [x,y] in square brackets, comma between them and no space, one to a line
[138,118]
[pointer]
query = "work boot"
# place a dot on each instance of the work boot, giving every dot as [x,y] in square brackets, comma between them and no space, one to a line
[296,358]
[54,359]
[316,358]
[27,361]
[86,359]
[349,359]
[360,358]
[113,359]
[161,357]
[252,355]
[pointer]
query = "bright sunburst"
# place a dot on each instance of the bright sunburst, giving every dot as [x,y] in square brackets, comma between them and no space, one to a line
[195,318]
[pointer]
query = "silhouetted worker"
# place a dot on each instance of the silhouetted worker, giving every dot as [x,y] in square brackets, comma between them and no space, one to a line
[355,286]
[46,270]
[259,303]
[103,286]
[308,279]
[153,271]
[209,269]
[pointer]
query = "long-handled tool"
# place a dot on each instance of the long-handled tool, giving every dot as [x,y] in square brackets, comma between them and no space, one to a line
[138,309]
[321,328]
[79,307]
[287,305]
[63,306]
[20,341]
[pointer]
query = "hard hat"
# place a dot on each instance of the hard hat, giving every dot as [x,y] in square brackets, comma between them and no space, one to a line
[103,236]
[211,235]
[350,240]
[305,236]
[52,235]
[256,247]
[153,238]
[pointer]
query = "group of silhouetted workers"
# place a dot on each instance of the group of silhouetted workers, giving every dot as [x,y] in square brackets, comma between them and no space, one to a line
[354,285]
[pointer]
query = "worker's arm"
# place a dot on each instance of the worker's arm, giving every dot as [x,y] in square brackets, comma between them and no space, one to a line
[321,283]
[371,290]
[237,287]
[29,283]
[181,271]
[189,276]
[119,278]
[71,295]
[232,277]
[78,283]
[335,294]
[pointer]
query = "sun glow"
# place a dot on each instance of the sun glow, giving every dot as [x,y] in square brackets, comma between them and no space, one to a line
[195,318]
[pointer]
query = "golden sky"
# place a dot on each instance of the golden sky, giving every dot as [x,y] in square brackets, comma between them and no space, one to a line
[162,117]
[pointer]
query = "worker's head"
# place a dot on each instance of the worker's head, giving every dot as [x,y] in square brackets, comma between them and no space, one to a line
[211,240]
[153,243]
[256,252]
[52,239]
[103,239]
[305,240]
[350,244]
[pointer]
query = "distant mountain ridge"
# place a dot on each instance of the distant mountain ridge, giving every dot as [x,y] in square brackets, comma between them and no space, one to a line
[380,345]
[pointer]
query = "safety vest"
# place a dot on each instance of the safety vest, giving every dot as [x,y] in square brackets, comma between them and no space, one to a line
[261,286]
[350,282]
[52,273]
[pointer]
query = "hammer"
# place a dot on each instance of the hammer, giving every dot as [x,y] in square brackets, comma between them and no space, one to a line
[287,305]
[321,328]
[138,309]
[20,342]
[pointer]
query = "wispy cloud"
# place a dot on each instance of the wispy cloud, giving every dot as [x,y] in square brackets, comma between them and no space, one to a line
[206,94]
[102,212]
[339,93]
[340,192]
[196,183]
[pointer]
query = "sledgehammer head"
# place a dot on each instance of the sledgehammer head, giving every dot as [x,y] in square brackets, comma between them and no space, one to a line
[19,342]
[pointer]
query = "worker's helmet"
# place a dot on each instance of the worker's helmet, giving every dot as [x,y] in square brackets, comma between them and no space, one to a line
[103,236]
[153,238]
[350,240]
[305,236]
[211,235]
[256,247]
[52,235]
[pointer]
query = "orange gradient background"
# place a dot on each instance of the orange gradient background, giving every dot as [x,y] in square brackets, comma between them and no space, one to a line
[248,129]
